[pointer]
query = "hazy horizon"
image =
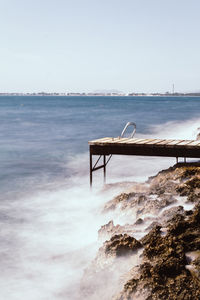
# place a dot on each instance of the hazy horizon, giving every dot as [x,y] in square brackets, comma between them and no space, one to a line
[111,91]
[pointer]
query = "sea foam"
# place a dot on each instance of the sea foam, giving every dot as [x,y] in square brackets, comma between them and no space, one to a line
[51,238]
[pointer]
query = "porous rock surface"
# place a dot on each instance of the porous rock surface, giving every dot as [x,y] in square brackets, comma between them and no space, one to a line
[121,245]
[163,273]
[170,233]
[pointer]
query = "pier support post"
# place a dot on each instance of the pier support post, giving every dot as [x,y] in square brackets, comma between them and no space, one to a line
[90,169]
[104,168]
[96,164]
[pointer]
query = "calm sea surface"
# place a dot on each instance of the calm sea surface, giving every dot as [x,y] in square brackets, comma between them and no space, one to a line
[39,135]
[49,218]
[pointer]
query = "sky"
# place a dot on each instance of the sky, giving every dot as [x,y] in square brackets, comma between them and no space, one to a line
[88,45]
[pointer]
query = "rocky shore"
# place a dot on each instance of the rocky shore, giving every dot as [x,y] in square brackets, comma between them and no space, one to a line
[156,255]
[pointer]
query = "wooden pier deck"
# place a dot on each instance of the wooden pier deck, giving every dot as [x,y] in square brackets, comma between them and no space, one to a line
[108,146]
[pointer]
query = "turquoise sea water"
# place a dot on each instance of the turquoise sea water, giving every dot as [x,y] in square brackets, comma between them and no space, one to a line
[48,216]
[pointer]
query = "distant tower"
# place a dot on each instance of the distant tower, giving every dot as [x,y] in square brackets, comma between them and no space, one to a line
[173,88]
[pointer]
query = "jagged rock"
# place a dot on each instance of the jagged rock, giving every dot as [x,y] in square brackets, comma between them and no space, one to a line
[139,221]
[121,245]
[152,225]
[190,188]
[114,202]
[163,271]
[190,170]
[168,215]
[195,217]
[164,274]
[108,230]
[196,264]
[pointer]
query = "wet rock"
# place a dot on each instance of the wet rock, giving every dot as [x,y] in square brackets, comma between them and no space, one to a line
[195,217]
[121,245]
[193,183]
[188,212]
[182,179]
[196,264]
[163,271]
[139,221]
[154,234]
[108,230]
[168,215]
[190,188]
[177,225]
[190,171]
[193,197]
[112,204]
[152,225]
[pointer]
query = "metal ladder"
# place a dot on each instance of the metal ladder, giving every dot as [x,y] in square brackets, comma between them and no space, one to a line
[105,161]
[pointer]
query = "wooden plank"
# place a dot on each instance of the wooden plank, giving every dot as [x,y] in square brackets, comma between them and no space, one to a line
[129,140]
[103,139]
[194,143]
[184,143]
[115,140]
[135,141]
[109,141]
[99,140]
[141,141]
[164,142]
[175,142]
[147,141]
[155,142]
[124,141]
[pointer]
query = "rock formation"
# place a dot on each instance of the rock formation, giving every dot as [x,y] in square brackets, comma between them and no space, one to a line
[167,256]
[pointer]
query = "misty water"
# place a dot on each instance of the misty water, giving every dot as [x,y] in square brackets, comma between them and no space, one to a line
[48,215]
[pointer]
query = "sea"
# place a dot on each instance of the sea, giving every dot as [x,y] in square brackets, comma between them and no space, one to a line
[49,216]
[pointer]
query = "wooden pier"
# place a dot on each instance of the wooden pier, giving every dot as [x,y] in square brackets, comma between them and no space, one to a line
[108,146]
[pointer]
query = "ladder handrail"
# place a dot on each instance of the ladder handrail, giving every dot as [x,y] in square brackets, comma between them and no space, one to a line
[128,124]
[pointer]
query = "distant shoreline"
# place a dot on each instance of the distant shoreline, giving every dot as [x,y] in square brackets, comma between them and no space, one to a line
[102,95]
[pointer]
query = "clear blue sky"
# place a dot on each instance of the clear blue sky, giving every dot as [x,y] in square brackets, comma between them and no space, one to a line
[85,45]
